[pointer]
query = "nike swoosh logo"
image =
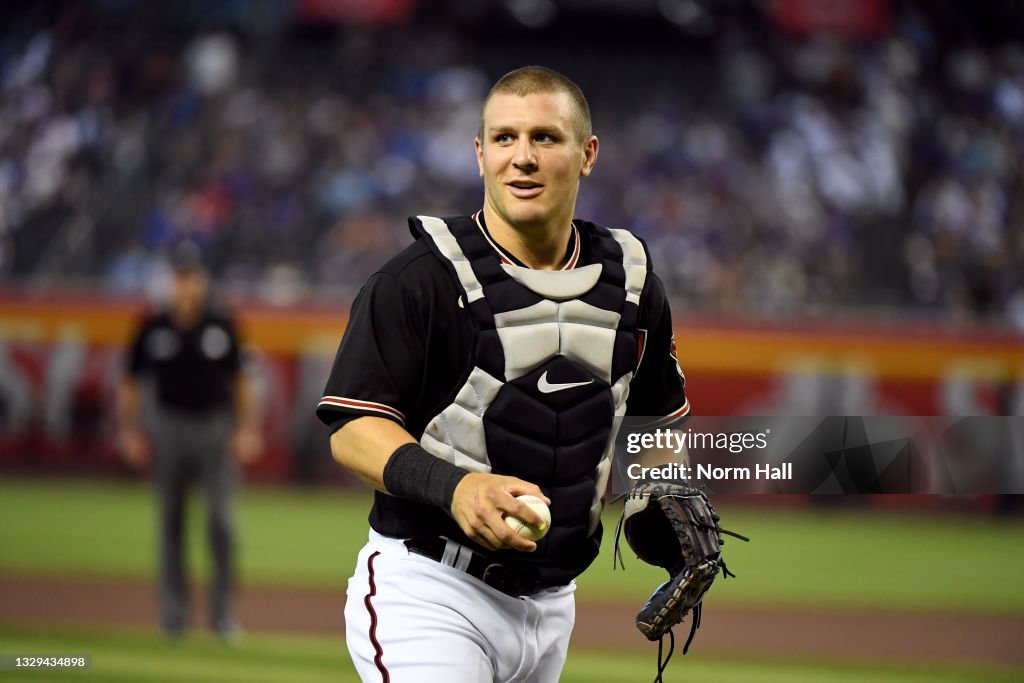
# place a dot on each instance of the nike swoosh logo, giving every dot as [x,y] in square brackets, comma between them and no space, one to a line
[546,387]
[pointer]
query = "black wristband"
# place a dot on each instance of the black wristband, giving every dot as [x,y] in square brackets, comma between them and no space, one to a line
[411,472]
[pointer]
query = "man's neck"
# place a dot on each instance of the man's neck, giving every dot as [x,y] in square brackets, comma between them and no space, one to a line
[540,247]
[186,316]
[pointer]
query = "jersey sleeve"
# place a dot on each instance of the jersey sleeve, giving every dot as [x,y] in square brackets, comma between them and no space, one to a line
[135,360]
[235,357]
[378,363]
[658,389]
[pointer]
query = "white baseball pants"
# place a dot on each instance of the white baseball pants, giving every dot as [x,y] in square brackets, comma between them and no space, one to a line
[410,619]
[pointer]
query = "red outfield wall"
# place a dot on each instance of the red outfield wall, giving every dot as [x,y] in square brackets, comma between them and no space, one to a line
[60,358]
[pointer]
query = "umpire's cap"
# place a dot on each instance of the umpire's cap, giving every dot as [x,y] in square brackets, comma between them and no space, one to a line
[186,256]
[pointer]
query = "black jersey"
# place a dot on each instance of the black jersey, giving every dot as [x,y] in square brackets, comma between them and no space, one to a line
[408,348]
[195,368]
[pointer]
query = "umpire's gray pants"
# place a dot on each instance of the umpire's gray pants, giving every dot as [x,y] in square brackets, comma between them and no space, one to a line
[190,447]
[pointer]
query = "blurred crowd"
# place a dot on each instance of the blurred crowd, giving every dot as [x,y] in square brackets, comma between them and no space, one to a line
[772,175]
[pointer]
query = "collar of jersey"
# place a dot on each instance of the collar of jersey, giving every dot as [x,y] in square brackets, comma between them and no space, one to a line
[572,252]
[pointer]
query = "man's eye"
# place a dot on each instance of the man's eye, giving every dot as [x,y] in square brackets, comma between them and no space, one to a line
[544,137]
[503,137]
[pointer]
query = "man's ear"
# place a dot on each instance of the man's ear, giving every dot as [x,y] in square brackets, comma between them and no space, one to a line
[479,146]
[590,148]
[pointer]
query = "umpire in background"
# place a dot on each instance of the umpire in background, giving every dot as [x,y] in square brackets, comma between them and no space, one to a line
[205,422]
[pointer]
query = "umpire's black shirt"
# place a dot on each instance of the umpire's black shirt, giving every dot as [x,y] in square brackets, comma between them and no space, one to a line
[194,368]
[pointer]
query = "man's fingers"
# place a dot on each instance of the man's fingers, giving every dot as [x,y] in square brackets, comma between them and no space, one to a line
[484,503]
[518,487]
[499,534]
[507,505]
[511,539]
[517,508]
[483,535]
[507,537]
[472,519]
[521,544]
[526,513]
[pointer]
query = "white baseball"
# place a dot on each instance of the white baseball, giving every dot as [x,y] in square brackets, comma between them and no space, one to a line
[524,529]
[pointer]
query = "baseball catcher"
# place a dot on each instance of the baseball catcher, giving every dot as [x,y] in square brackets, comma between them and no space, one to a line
[673,526]
[484,364]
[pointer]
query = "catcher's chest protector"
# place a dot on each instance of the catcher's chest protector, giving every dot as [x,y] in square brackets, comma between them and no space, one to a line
[554,355]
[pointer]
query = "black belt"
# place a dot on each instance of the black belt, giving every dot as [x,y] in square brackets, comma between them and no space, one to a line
[513,582]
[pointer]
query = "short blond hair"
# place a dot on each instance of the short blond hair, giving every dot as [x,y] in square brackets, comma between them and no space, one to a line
[530,80]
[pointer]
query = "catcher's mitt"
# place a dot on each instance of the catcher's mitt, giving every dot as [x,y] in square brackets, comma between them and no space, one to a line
[675,527]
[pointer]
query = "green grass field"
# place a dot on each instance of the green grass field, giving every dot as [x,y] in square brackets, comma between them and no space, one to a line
[832,558]
[828,559]
[122,656]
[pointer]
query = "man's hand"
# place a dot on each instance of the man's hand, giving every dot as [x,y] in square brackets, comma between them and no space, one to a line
[134,448]
[482,500]
[246,444]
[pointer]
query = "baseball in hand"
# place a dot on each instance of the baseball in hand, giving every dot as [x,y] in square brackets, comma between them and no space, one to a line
[525,530]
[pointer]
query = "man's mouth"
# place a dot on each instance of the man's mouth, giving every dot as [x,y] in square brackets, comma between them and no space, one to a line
[524,189]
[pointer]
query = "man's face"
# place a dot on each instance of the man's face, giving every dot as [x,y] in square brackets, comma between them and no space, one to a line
[189,290]
[531,159]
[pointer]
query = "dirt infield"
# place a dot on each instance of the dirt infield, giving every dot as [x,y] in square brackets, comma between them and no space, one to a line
[867,636]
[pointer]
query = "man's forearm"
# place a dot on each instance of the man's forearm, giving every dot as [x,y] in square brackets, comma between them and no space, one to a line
[365,445]
[131,440]
[246,406]
[128,404]
[477,501]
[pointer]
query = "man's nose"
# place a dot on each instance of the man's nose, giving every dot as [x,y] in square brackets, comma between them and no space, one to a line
[524,154]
